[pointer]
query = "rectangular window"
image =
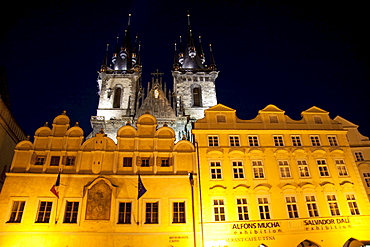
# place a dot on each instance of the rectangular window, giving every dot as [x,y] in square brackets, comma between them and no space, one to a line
[221,119]
[40,160]
[303,169]
[127,161]
[145,162]
[284,169]
[253,141]
[264,208]
[352,204]
[292,208]
[257,167]
[44,212]
[238,169]
[178,212]
[312,206]
[333,205]
[71,212]
[219,210]
[296,140]
[165,162]
[317,120]
[359,156]
[124,213]
[315,141]
[278,141]
[54,160]
[367,178]
[242,208]
[213,141]
[341,167]
[234,141]
[70,160]
[216,170]
[332,140]
[273,119]
[323,168]
[17,212]
[151,212]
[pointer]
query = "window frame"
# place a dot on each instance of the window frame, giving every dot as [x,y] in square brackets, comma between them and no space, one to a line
[311,206]
[341,168]
[263,213]
[242,208]
[296,140]
[306,166]
[278,140]
[10,211]
[234,141]
[40,160]
[253,141]
[259,167]
[215,170]
[333,140]
[291,206]
[119,213]
[284,169]
[154,214]
[352,204]
[366,176]
[38,206]
[53,159]
[238,169]
[219,212]
[70,160]
[359,156]
[127,161]
[213,141]
[333,204]
[178,212]
[73,212]
[315,140]
[323,166]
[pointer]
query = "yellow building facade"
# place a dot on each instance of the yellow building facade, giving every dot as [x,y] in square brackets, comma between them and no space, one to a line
[274,181]
[98,189]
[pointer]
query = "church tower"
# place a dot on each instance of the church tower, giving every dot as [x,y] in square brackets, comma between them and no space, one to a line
[193,80]
[119,87]
[122,98]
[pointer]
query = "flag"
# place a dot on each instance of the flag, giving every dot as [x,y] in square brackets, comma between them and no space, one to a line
[55,188]
[141,189]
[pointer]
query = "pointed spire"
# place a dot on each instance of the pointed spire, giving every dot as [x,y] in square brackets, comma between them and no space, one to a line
[104,65]
[176,64]
[212,62]
[200,50]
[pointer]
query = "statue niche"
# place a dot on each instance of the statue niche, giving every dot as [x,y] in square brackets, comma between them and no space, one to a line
[99,201]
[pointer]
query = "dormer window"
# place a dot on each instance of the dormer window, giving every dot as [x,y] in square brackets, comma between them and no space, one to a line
[317,120]
[273,119]
[221,119]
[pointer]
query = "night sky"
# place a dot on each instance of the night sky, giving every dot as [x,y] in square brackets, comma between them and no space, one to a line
[294,54]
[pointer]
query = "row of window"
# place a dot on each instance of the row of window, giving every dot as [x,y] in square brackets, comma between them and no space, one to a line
[264,207]
[127,161]
[193,78]
[278,140]
[258,170]
[125,212]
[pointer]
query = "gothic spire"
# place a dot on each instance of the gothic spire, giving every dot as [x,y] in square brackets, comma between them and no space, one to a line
[212,63]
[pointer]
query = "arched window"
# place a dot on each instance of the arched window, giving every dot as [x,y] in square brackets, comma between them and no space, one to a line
[117,97]
[196,96]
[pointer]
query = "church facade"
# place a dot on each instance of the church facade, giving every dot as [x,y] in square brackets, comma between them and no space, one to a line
[123,98]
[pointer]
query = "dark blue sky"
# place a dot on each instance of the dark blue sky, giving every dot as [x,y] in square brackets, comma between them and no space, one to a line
[294,54]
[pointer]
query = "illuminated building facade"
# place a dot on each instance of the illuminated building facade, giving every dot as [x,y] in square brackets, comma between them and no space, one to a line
[274,181]
[97,201]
